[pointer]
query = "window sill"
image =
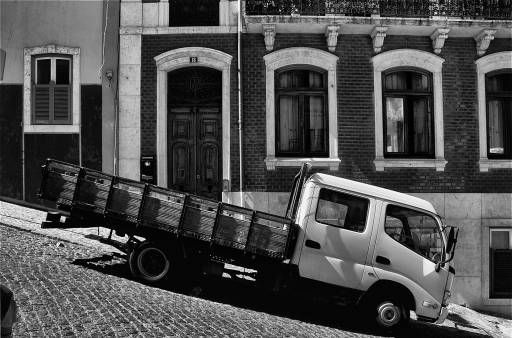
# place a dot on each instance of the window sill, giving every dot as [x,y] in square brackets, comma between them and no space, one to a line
[51,129]
[273,162]
[381,163]
[486,164]
[497,301]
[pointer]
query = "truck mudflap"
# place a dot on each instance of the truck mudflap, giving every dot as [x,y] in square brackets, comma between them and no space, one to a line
[98,199]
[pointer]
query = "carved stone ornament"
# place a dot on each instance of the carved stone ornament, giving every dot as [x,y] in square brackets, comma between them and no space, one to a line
[331,32]
[269,31]
[483,40]
[378,34]
[438,38]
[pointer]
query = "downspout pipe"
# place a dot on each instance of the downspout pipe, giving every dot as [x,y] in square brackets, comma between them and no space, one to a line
[240,114]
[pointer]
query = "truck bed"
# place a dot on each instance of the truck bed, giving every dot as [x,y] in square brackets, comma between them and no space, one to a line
[91,194]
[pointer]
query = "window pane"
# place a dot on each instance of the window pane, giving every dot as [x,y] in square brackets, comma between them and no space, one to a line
[395,125]
[62,71]
[288,123]
[395,81]
[314,109]
[315,79]
[422,126]
[500,239]
[300,79]
[416,230]
[419,81]
[44,71]
[499,83]
[342,210]
[496,127]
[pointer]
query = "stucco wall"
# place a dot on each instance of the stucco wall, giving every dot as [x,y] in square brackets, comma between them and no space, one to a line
[70,23]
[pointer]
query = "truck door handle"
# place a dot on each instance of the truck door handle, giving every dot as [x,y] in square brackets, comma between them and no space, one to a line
[312,244]
[382,260]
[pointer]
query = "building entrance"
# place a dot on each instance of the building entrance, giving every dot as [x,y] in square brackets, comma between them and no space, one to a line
[194,131]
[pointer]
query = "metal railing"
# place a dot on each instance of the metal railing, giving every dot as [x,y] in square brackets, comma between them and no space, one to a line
[465,9]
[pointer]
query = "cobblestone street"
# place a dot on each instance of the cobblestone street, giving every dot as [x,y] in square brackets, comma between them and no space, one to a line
[65,289]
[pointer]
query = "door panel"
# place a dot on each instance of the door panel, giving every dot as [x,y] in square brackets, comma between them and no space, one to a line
[337,239]
[195,142]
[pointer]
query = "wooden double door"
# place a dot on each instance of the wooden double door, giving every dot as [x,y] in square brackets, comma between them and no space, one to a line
[195,139]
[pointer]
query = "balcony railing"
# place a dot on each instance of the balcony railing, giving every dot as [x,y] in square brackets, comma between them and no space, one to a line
[465,9]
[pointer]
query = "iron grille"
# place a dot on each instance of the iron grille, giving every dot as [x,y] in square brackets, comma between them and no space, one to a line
[467,9]
[183,13]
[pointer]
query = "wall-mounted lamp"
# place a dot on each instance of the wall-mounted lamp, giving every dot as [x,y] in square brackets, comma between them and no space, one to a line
[110,75]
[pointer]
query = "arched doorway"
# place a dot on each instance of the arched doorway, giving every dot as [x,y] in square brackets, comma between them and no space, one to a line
[194,101]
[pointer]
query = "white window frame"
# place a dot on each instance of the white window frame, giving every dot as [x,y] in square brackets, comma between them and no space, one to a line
[29,54]
[484,65]
[298,56]
[417,59]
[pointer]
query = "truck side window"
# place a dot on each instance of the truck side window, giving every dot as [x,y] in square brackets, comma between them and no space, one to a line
[342,210]
[416,230]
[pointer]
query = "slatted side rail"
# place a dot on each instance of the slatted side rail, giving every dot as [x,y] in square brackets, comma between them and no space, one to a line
[233,226]
[59,182]
[92,191]
[125,199]
[199,218]
[162,208]
[270,235]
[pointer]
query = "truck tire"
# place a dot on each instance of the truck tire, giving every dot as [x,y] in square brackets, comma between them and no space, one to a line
[388,313]
[149,263]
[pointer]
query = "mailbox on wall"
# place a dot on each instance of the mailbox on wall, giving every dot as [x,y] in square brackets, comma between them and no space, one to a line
[148,169]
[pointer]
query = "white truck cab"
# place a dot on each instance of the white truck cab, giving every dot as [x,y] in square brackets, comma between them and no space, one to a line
[390,247]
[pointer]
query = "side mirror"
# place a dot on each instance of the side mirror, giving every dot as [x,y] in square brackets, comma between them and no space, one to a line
[453,234]
[452,239]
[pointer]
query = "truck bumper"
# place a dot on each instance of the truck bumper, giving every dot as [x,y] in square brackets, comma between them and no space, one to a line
[442,316]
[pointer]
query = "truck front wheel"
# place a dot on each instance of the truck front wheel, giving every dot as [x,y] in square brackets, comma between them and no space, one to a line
[389,314]
[149,263]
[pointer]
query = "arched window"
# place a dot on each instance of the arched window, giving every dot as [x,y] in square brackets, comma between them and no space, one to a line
[408,114]
[301,114]
[498,95]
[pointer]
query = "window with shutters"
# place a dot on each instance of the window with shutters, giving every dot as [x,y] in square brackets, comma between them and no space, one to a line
[51,90]
[500,259]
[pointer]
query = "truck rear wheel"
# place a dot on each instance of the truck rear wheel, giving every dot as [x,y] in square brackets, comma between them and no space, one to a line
[389,314]
[149,263]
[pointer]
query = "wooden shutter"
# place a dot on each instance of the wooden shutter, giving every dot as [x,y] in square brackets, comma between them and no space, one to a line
[41,104]
[502,272]
[61,104]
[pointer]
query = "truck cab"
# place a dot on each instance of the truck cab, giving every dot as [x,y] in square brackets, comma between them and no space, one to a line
[386,250]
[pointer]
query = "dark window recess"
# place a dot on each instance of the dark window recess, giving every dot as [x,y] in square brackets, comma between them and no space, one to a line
[301,113]
[184,13]
[501,274]
[498,91]
[51,90]
[408,114]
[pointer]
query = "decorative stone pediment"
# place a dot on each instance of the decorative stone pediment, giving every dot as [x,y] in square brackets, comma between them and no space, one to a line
[331,32]
[483,40]
[438,38]
[269,31]
[378,34]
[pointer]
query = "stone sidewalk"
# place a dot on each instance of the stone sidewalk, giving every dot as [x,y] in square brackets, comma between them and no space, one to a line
[77,246]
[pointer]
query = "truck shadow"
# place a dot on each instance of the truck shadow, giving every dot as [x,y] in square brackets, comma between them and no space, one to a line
[344,318]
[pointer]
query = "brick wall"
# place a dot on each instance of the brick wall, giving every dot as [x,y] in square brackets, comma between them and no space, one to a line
[356,116]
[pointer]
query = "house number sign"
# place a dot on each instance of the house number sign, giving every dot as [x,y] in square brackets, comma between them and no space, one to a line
[193,59]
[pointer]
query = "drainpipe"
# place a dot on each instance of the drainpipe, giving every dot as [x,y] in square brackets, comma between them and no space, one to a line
[240,121]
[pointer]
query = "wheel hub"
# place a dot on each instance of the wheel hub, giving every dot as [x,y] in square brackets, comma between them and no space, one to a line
[152,263]
[388,314]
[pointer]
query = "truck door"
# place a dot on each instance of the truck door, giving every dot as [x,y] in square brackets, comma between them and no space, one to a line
[336,238]
[409,244]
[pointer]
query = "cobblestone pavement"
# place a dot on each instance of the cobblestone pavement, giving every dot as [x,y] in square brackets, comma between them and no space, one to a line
[68,285]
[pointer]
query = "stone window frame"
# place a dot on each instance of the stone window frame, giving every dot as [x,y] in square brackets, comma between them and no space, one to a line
[179,58]
[29,54]
[485,65]
[487,227]
[301,56]
[409,58]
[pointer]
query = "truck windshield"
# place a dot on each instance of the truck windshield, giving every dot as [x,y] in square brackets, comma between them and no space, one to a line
[416,230]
